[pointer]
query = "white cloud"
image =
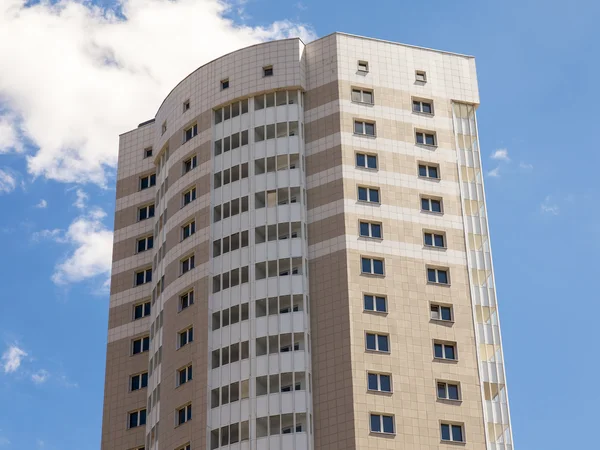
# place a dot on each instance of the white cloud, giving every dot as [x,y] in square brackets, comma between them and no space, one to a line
[501,155]
[494,172]
[9,140]
[8,181]
[55,235]
[11,359]
[42,204]
[525,166]
[98,74]
[549,207]
[82,198]
[40,376]
[92,243]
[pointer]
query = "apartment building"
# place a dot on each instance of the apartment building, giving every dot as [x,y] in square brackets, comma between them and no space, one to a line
[302,259]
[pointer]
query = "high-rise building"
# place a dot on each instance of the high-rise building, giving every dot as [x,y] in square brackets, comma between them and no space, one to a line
[302,259]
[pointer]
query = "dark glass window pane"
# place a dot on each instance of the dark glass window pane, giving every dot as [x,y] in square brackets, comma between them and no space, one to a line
[362,194]
[143,417]
[138,312]
[182,415]
[380,304]
[135,383]
[445,432]
[378,267]
[182,376]
[150,241]
[375,423]
[356,95]
[147,309]
[153,179]
[376,230]
[372,162]
[360,160]
[367,97]
[433,172]
[371,342]
[385,382]
[182,339]
[369,302]
[429,139]
[144,379]
[149,275]
[137,346]
[439,240]
[133,418]
[438,351]
[382,342]
[446,313]
[189,370]
[453,391]
[144,183]
[449,352]
[443,276]
[366,265]
[374,195]
[417,106]
[151,208]
[373,381]
[427,108]
[431,275]
[191,335]
[358,127]
[364,229]
[420,138]
[441,388]
[139,278]
[457,433]
[436,206]
[425,204]
[370,129]
[388,424]
[422,171]
[141,245]
[428,239]
[145,344]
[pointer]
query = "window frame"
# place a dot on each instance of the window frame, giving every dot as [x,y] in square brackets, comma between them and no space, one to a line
[188,414]
[186,105]
[141,339]
[437,270]
[147,152]
[190,260]
[362,91]
[224,83]
[440,200]
[366,157]
[375,297]
[193,163]
[143,304]
[364,123]
[422,101]
[185,332]
[146,240]
[189,375]
[422,74]
[362,66]
[433,235]
[192,225]
[381,416]
[424,134]
[370,225]
[189,299]
[379,375]
[372,265]
[194,132]
[369,189]
[146,278]
[428,167]
[446,384]
[139,421]
[192,192]
[377,335]
[147,208]
[140,375]
[439,307]
[451,426]
[266,70]
[444,345]
[151,177]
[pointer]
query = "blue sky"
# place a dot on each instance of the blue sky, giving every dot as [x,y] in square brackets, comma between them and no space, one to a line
[538,69]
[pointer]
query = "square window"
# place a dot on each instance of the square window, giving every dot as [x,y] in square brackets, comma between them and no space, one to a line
[434,240]
[189,196]
[368,229]
[377,342]
[267,71]
[451,432]
[363,66]
[429,171]
[365,161]
[444,351]
[225,84]
[186,336]
[190,164]
[141,310]
[362,96]
[186,105]
[364,128]
[423,106]
[381,423]
[148,152]
[186,300]
[188,229]
[421,76]
[372,266]
[431,205]
[137,418]
[439,312]
[184,375]
[147,181]
[438,276]
[184,414]
[370,195]
[425,138]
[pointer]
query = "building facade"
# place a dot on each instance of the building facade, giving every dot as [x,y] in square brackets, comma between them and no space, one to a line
[302,260]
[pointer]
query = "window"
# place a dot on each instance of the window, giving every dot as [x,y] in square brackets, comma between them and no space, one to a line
[438,276]
[187,264]
[434,240]
[190,132]
[426,171]
[365,161]
[186,105]
[188,229]
[442,350]
[184,414]
[439,312]
[363,66]
[268,71]
[190,164]
[148,152]
[147,181]
[225,84]
[372,266]
[186,336]
[139,381]
[140,345]
[377,342]
[145,243]
[364,128]
[421,75]
[145,212]
[431,205]
[362,96]
[143,277]
[164,127]
[422,106]
[381,423]
[189,196]
[447,391]
[137,418]
[185,447]
[425,138]
[375,303]
[379,382]
[184,375]
[141,310]
[366,194]
[370,229]
[452,432]
[186,300]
